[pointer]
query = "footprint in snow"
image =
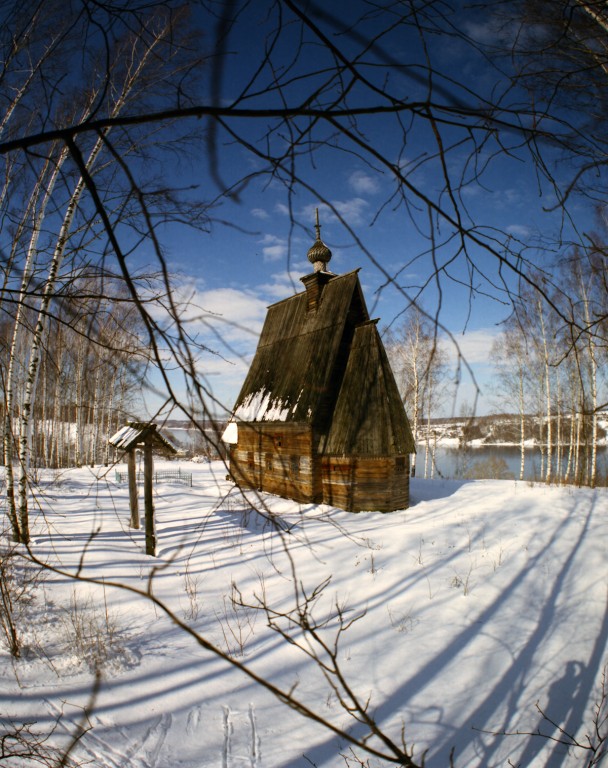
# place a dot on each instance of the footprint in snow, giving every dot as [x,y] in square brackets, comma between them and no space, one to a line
[194,719]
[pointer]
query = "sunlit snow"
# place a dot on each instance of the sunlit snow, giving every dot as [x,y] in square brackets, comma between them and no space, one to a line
[482,599]
[261,406]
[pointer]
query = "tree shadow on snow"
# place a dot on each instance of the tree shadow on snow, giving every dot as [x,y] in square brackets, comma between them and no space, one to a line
[568,697]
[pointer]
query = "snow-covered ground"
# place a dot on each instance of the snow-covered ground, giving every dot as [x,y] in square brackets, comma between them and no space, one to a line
[482,599]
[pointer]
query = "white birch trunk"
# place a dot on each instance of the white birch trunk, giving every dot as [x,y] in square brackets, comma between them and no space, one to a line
[541,445]
[415,432]
[45,421]
[57,447]
[427,446]
[558,456]
[522,426]
[416,388]
[577,450]
[549,414]
[593,378]
[25,432]
[79,406]
[37,212]
[568,469]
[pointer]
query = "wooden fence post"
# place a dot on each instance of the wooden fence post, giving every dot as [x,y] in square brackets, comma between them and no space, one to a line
[148,499]
[133,502]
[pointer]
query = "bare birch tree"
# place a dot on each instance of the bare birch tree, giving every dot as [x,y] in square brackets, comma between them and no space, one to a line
[136,58]
[418,359]
[584,284]
[510,356]
[366,93]
[37,204]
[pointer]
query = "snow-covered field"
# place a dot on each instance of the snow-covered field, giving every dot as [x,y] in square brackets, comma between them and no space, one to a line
[482,599]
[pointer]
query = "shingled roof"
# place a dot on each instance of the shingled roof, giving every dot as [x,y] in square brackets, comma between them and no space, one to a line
[326,365]
[369,419]
[135,433]
[293,372]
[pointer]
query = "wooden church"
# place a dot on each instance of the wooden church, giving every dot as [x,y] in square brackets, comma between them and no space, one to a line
[319,417]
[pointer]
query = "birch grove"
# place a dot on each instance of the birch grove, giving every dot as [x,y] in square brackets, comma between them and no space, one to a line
[66,364]
[552,364]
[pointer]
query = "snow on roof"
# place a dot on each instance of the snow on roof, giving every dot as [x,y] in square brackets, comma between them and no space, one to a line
[124,436]
[231,433]
[135,432]
[259,406]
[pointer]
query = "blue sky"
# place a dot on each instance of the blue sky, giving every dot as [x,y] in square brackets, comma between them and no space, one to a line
[228,277]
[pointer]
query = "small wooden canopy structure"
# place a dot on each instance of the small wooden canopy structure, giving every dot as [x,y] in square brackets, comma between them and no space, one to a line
[143,435]
[319,416]
[136,434]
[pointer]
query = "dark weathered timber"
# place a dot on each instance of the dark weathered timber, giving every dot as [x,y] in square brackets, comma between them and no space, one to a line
[148,499]
[364,484]
[133,501]
[319,416]
[276,458]
[369,418]
[297,351]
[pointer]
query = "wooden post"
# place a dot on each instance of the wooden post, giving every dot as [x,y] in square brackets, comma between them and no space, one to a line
[148,501]
[133,503]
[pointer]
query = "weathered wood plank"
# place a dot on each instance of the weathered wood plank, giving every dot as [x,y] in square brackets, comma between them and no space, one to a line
[133,500]
[148,499]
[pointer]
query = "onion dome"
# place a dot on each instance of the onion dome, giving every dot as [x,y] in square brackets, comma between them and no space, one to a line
[319,254]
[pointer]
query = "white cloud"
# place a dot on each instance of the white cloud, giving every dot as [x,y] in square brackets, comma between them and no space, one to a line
[474,346]
[472,190]
[493,31]
[225,323]
[274,252]
[224,377]
[351,211]
[284,284]
[518,230]
[240,306]
[259,213]
[274,248]
[483,32]
[223,318]
[363,184]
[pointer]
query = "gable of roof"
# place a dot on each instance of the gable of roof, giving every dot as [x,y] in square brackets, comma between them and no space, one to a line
[369,418]
[136,433]
[293,373]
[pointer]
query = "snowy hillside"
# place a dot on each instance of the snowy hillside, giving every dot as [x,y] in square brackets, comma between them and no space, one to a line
[476,603]
[502,429]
